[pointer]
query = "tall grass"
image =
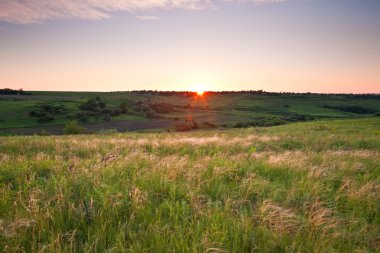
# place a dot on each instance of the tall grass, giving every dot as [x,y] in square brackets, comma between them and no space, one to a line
[310,187]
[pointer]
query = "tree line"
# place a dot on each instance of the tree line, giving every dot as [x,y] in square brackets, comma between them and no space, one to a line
[7,91]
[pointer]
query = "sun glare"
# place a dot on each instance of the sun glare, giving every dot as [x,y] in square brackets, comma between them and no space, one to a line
[199,89]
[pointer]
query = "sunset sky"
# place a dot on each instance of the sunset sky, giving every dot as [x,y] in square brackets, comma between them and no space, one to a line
[109,45]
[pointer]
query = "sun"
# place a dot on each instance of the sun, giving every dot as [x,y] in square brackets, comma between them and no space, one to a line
[200,92]
[199,89]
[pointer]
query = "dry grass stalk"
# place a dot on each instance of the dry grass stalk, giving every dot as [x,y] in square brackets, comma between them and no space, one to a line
[295,159]
[137,196]
[321,217]
[369,191]
[317,172]
[10,229]
[108,158]
[278,218]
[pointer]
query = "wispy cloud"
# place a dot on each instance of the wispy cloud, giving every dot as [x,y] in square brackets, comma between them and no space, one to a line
[256,1]
[149,18]
[35,11]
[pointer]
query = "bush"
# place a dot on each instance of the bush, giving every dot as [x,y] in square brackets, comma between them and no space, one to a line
[90,105]
[73,128]
[115,112]
[240,125]
[123,106]
[54,109]
[33,114]
[82,116]
[46,112]
[93,104]
[102,104]
[106,117]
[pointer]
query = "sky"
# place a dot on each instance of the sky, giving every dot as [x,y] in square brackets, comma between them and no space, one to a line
[328,46]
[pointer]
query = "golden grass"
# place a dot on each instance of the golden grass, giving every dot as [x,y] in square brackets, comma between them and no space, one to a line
[244,191]
[277,218]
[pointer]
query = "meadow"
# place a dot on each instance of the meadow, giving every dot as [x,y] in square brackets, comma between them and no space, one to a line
[48,112]
[301,187]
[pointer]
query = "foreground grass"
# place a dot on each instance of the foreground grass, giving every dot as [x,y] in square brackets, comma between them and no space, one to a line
[310,187]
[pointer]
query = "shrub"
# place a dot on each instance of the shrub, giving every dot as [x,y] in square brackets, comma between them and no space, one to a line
[240,125]
[46,112]
[90,105]
[102,104]
[93,104]
[33,114]
[123,107]
[54,109]
[106,117]
[73,128]
[82,116]
[115,112]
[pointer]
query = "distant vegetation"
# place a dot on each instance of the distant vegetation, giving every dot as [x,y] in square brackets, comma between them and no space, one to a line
[7,91]
[175,111]
[46,112]
[262,122]
[354,109]
[97,108]
[92,108]
[74,128]
[252,92]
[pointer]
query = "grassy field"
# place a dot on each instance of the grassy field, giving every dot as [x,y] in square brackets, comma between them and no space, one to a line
[304,187]
[221,110]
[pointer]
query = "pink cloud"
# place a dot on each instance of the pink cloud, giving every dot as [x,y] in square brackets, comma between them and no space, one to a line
[35,11]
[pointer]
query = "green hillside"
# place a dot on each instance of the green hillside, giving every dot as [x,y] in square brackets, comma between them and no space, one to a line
[124,111]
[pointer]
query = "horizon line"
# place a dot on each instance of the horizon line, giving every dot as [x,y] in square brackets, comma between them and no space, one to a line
[206,91]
